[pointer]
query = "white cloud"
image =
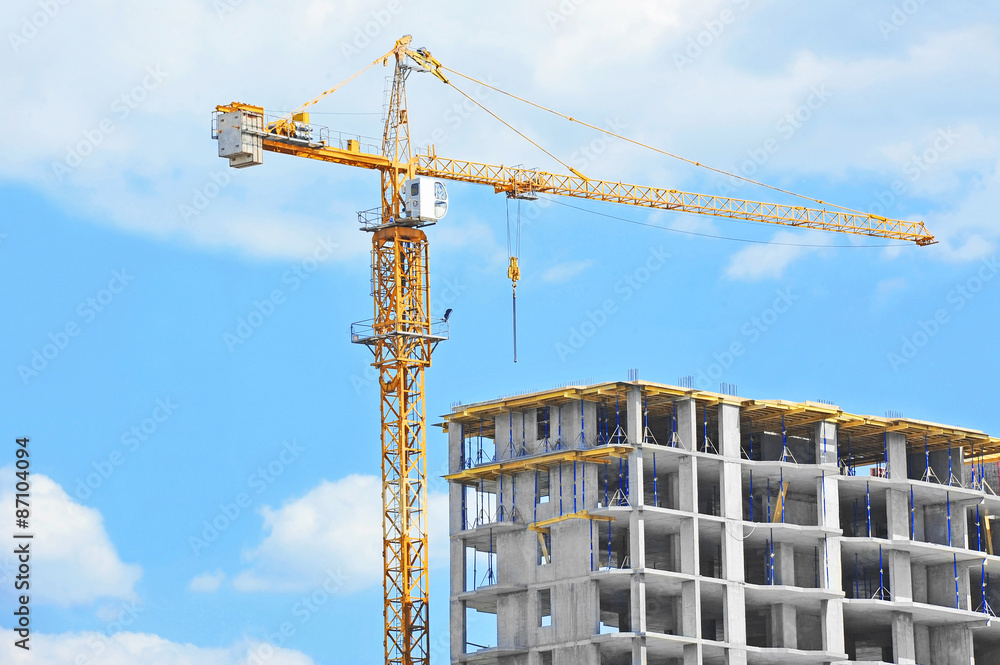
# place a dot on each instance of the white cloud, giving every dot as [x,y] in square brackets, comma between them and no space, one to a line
[759,262]
[563,272]
[157,156]
[207,582]
[335,530]
[126,648]
[73,560]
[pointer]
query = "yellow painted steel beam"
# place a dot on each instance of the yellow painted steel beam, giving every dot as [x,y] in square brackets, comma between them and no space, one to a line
[542,526]
[539,462]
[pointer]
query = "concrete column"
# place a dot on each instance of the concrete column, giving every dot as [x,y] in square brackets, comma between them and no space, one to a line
[729,431]
[633,408]
[455,492]
[687,423]
[828,509]
[922,644]
[941,584]
[826,443]
[784,564]
[832,618]
[733,605]
[687,484]
[734,613]
[951,645]
[783,629]
[637,609]
[692,654]
[690,619]
[964,587]
[939,464]
[782,615]
[918,575]
[501,437]
[457,627]
[900,583]
[637,540]
[455,441]
[896,455]
[579,424]
[457,630]
[897,511]
[524,495]
[689,546]
[903,647]
[639,651]
[732,533]
[529,431]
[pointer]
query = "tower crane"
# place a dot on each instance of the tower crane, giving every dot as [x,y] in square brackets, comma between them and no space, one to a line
[402,333]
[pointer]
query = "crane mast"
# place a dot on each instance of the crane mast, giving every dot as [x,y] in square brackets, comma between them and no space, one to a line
[402,334]
[401,341]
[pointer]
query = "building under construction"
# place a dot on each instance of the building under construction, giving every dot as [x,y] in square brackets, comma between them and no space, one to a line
[634,522]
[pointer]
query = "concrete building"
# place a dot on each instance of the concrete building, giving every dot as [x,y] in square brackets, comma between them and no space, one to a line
[633,522]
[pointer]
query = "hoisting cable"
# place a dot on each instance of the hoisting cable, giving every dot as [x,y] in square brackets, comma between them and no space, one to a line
[643,145]
[513,129]
[513,270]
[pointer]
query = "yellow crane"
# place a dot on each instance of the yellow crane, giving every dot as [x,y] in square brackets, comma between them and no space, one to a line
[402,333]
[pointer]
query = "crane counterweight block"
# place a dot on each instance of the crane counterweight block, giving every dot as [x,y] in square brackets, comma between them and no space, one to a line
[239,131]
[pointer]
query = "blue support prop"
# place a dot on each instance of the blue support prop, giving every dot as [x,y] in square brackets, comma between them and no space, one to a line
[781,488]
[772,556]
[913,518]
[574,486]
[868,507]
[560,490]
[655,503]
[958,603]
[947,498]
[881,580]
[559,427]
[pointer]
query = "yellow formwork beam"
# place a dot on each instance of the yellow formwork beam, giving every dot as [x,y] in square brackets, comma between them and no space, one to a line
[539,462]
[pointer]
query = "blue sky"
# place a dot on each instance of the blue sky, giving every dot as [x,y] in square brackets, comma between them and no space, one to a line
[873,105]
